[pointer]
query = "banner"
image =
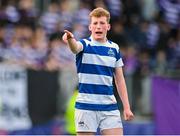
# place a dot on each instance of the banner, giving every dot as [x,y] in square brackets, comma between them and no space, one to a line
[13,98]
[166,104]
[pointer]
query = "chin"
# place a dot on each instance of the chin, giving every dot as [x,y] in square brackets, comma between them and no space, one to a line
[98,38]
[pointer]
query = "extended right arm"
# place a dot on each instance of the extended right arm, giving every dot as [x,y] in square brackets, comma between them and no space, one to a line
[69,39]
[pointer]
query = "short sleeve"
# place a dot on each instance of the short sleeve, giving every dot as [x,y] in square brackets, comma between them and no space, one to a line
[83,43]
[119,62]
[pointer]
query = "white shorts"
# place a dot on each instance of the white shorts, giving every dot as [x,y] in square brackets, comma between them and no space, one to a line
[89,121]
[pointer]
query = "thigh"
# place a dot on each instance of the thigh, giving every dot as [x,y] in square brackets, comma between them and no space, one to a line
[113,131]
[85,121]
[111,123]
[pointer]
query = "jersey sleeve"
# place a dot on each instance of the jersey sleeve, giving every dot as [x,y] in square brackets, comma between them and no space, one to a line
[119,61]
[83,43]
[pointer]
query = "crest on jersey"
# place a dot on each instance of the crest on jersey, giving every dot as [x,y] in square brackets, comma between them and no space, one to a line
[111,52]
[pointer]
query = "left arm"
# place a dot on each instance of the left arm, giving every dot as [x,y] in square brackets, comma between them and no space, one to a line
[122,91]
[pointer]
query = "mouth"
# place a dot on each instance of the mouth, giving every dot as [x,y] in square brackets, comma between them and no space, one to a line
[98,33]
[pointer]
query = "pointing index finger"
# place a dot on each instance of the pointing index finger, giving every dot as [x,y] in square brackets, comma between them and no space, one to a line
[69,34]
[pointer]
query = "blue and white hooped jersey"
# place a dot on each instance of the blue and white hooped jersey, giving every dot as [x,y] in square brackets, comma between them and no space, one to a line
[95,67]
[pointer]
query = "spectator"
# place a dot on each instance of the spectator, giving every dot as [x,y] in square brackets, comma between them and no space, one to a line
[49,20]
[161,63]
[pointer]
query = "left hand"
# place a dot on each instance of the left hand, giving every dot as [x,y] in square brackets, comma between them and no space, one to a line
[128,115]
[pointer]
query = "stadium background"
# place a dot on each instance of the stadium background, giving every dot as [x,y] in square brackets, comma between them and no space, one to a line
[147,31]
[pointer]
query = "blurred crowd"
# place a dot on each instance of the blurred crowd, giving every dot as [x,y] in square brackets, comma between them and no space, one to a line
[147,32]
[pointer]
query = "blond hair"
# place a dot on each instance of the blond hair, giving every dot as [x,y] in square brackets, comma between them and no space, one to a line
[100,12]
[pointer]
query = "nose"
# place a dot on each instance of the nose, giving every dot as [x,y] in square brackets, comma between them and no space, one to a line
[98,25]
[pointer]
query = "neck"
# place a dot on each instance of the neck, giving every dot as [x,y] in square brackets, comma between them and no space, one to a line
[104,40]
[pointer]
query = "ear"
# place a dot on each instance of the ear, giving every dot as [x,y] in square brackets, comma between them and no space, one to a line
[109,27]
[90,28]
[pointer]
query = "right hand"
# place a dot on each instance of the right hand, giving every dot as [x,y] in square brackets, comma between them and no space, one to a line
[67,36]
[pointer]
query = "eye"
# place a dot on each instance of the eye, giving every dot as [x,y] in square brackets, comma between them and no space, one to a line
[102,23]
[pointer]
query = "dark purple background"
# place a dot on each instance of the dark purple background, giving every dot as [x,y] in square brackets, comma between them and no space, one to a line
[166,105]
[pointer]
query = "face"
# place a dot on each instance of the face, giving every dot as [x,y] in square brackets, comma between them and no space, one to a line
[99,27]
